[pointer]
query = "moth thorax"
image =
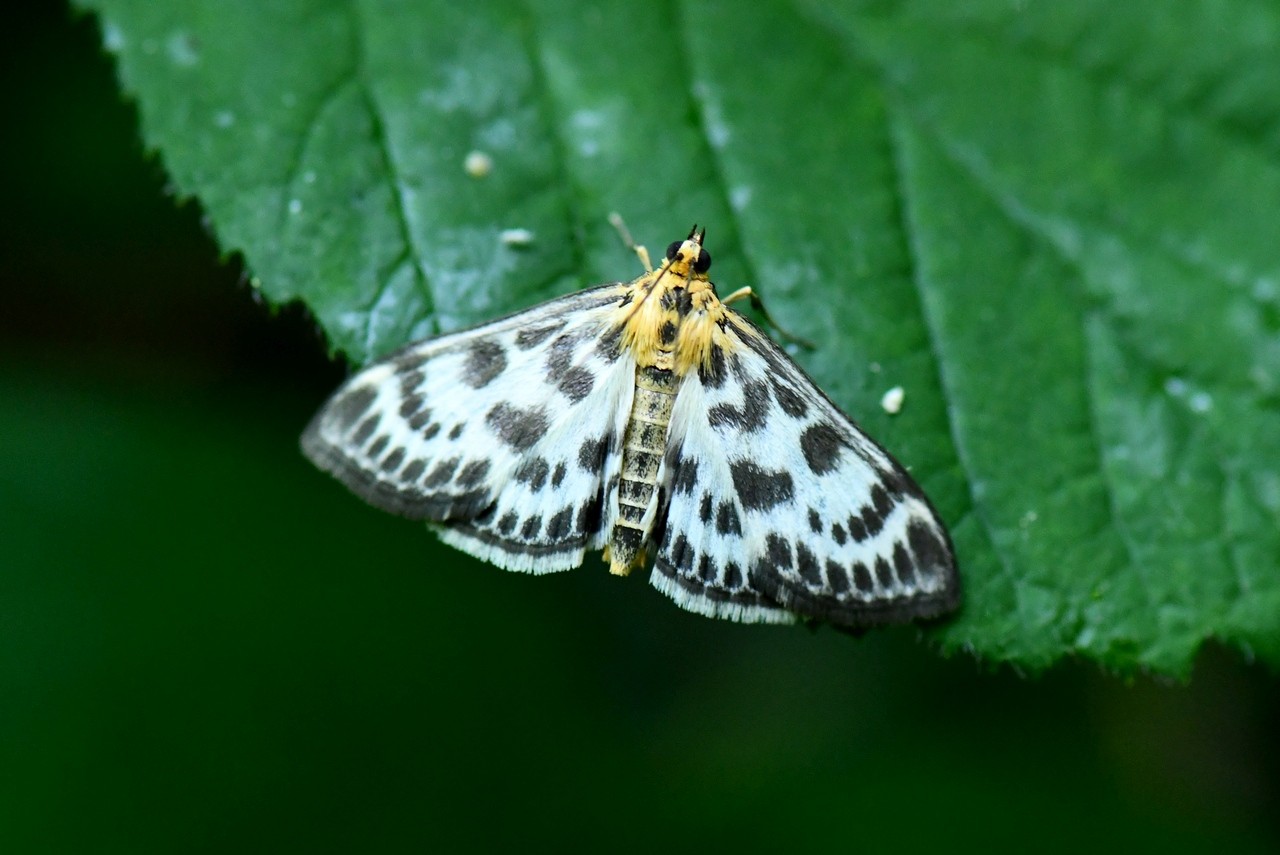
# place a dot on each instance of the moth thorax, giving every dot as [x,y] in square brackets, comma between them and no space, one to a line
[642,451]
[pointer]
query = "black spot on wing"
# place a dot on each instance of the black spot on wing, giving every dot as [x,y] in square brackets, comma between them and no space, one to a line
[576,383]
[534,473]
[751,416]
[516,427]
[410,381]
[473,473]
[560,355]
[686,475]
[592,452]
[366,429]
[704,509]
[350,407]
[884,575]
[931,553]
[791,402]
[456,430]
[557,477]
[862,578]
[420,418]
[897,482]
[559,526]
[875,512]
[411,361]
[393,461]
[837,531]
[507,524]
[902,565]
[707,569]
[727,521]
[379,445]
[837,578]
[760,489]
[410,406]
[486,359]
[530,338]
[682,553]
[589,515]
[821,444]
[815,521]
[777,554]
[881,500]
[529,530]
[414,470]
[442,473]
[807,564]
[732,576]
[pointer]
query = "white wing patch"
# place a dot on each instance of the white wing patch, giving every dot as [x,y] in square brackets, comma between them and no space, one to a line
[504,433]
[780,506]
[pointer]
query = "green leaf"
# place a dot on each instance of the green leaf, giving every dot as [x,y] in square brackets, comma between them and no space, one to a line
[1051,224]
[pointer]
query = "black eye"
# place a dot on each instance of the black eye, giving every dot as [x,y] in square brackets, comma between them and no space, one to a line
[703,264]
[673,249]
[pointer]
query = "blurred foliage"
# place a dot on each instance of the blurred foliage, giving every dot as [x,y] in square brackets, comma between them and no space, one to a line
[207,645]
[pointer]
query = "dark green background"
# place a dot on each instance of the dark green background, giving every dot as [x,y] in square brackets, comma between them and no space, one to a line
[205,644]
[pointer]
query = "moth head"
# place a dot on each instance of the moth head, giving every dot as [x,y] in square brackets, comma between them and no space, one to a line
[687,258]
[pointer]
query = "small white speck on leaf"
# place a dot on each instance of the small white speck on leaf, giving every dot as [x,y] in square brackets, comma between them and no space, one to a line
[516,237]
[477,164]
[892,400]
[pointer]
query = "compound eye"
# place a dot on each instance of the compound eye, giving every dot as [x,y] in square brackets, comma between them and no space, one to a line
[703,264]
[673,249]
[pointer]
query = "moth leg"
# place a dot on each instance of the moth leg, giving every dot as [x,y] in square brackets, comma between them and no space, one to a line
[615,220]
[745,292]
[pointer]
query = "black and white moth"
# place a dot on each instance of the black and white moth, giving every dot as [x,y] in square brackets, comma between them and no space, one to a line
[644,418]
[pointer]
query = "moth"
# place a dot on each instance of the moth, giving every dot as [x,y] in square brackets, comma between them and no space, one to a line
[651,421]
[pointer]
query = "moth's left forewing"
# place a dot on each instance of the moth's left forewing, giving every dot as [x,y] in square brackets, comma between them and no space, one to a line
[831,527]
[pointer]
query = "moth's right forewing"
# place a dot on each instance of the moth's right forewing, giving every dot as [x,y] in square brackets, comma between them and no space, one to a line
[440,428]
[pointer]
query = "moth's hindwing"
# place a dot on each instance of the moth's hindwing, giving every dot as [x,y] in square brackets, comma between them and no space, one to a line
[778,505]
[505,433]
